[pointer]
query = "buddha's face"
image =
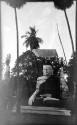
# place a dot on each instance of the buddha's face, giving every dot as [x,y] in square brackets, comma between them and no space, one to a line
[47,70]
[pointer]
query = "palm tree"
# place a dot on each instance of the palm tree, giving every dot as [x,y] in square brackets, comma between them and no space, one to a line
[31,39]
[63,5]
[16,4]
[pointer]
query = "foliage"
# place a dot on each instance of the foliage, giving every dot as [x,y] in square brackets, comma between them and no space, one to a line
[27,65]
[63,4]
[29,70]
[71,65]
[70,70]
[60,4]
[15,3]
[31,39]
[30,66]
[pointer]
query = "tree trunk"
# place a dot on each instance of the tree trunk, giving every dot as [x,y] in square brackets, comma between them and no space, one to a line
[18,88]
[63,50]
[69,30]
[62,45]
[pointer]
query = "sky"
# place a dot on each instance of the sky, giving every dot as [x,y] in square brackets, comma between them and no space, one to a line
[45,17]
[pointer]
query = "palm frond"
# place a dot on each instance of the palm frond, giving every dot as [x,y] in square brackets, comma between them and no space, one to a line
[27,41]
[39,40]
[24,36]
[33,30]
[28,33]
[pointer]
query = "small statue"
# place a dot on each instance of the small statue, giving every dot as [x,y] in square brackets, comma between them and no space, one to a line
[47,86]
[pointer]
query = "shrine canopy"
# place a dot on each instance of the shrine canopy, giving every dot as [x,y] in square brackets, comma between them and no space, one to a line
[45,53]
